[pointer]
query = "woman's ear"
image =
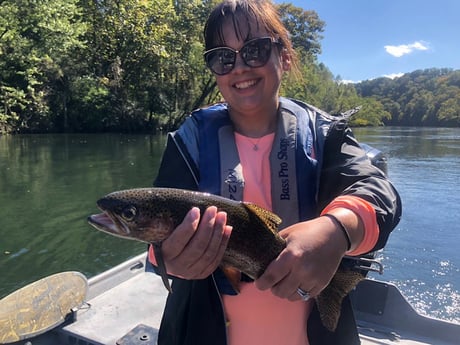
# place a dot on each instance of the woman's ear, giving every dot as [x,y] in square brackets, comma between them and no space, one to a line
[285,60]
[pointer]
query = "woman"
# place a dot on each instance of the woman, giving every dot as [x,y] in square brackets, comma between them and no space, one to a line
[286,156]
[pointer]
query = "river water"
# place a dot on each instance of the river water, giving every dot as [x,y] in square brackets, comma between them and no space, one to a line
[49,185]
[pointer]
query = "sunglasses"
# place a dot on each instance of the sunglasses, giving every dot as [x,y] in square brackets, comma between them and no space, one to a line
[254,53]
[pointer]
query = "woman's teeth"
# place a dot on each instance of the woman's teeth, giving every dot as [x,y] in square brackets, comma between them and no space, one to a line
[245,84]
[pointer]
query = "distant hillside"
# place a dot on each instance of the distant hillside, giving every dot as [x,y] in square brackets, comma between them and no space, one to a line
[428,97]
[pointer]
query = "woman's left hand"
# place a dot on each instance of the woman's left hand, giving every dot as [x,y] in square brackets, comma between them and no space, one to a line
[312,255]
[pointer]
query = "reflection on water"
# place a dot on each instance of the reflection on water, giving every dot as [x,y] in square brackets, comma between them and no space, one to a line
[49,185]
[421,256]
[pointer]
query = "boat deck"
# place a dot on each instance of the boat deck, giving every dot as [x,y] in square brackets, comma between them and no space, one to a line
[125,306]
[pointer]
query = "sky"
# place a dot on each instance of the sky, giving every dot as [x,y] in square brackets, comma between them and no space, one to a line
[367,39]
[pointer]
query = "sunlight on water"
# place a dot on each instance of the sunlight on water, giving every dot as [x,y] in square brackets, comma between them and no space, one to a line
[434,293]
[441,302]
[421,256]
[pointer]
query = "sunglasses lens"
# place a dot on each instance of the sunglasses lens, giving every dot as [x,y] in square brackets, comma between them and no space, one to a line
[256,53]
[220,60]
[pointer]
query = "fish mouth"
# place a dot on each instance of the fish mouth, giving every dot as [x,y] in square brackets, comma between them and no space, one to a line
[107,222]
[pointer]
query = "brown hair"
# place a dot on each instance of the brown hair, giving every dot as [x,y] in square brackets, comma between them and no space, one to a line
[242,13]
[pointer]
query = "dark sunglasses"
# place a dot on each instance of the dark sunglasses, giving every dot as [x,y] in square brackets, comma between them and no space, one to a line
[254,53]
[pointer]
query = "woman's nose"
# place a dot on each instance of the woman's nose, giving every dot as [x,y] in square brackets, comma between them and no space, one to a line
[240,66]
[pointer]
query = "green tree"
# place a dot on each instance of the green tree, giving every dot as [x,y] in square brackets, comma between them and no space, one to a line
[449,111]
[36,41]
[448,99]
[305,28]
[126,41]
[184,81]
[148,55]
[421,98]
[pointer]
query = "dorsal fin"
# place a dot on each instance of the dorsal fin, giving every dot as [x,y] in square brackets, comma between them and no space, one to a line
[271,220]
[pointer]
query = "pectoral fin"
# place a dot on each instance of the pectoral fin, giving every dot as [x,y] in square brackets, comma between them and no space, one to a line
[161,265]
[234,277]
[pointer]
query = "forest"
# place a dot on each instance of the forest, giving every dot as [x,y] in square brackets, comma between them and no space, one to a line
[137,66]
[429,97]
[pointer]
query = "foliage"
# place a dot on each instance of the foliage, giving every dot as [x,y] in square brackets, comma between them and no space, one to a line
[137,65]
[305,28]
[36,40]
[428,97]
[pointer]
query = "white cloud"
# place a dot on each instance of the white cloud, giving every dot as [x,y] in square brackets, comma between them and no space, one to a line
[404,49]
[390,76]
[393,75]
[346,81]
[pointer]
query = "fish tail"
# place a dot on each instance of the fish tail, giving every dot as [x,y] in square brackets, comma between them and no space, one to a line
[329,301]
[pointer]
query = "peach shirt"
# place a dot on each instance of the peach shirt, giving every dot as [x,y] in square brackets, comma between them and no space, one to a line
[258,317]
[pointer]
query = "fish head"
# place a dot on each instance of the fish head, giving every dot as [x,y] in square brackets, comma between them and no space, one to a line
[134,214]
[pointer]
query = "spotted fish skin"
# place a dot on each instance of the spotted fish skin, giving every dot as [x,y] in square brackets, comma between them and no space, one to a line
[151,215]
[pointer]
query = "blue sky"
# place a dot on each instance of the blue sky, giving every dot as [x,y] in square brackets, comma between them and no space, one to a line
[366,39]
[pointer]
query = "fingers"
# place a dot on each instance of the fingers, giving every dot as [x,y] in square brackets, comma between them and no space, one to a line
[285,284]
[179,238]
[195,248]
[217,244]
[308,262]
[197,244]
[276,271]
[283,278]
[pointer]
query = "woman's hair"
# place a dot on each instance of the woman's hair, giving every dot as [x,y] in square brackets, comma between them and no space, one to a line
[242,14]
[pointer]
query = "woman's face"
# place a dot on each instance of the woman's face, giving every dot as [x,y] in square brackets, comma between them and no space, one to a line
[247,89]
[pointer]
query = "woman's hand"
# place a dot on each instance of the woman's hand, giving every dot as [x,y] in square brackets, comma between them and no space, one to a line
[195,248]
[311,258]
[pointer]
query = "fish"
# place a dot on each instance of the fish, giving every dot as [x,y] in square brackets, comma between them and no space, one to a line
[150,215]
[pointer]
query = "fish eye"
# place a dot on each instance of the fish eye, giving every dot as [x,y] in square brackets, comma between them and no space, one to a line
[129,213]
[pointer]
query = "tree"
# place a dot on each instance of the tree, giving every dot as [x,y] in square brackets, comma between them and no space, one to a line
[127,40]
[36,40]
[421,98]
[184,81]
[305,29]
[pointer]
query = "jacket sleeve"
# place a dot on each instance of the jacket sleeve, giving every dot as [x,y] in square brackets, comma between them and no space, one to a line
[346,170]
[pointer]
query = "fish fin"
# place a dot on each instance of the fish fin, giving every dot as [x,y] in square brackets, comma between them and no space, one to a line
[234,277]
[161,265]
[271,220]
[329,301]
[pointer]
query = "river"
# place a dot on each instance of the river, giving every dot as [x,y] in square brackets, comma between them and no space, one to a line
[49,185]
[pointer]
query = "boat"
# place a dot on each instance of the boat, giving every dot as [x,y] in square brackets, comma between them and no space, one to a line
[124,305]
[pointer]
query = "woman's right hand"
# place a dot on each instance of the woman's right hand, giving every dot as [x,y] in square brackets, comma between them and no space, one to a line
[195,248]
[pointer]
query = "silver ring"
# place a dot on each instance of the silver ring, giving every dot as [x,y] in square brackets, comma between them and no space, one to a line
[304,294]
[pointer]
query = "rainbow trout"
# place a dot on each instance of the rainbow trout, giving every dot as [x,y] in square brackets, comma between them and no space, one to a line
[151,214]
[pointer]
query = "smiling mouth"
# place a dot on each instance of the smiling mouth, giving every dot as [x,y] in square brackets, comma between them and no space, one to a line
[245,84]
